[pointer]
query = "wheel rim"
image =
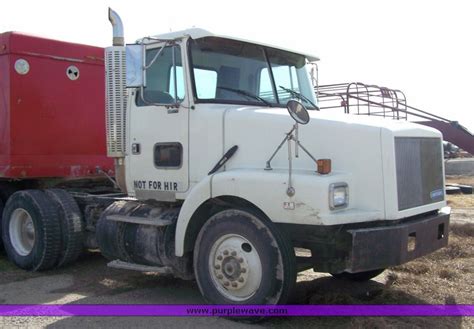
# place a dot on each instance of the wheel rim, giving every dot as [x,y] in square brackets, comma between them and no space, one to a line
[235,267]
[22,231]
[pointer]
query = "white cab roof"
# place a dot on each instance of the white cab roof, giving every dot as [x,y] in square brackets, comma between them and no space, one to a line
[197,33]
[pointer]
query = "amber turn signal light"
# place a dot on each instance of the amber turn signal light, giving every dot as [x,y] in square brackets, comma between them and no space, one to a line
[324,166]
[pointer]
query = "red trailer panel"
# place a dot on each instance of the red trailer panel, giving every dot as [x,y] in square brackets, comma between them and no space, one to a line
[52,117]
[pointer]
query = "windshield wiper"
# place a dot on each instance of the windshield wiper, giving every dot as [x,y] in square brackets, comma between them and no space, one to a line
[248,94]
[300,96]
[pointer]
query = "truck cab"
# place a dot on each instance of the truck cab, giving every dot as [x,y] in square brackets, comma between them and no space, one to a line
[194,80]
[206,122]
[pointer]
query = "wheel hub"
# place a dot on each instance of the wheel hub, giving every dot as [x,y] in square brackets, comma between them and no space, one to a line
[235,267]
[231,268]
[22,231]
[231,271]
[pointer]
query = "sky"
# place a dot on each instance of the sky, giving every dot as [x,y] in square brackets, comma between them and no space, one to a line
[424,48]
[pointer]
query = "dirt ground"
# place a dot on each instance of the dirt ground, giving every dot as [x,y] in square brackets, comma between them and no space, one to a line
[445,277]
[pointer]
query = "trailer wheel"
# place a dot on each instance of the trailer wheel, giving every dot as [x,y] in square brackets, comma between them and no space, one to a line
[31,230]
[241,259]
[359,277]
[72,226]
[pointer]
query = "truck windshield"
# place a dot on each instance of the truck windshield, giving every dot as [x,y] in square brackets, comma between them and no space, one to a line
[229,71]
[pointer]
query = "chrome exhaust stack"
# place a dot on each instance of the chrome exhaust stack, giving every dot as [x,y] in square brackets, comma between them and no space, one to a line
[116,99]
[117,25]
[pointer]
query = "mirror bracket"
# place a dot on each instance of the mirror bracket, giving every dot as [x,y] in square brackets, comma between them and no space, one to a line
[299,113]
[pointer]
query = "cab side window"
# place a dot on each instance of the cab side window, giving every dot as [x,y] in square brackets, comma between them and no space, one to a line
[161,87]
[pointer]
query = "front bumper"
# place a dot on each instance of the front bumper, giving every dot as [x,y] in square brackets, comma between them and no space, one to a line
[369,246]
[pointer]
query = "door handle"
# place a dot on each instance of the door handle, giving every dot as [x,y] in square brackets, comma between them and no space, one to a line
[173,110]
[136,148]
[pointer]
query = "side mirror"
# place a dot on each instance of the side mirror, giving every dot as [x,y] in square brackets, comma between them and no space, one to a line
[298,111]
[135,73]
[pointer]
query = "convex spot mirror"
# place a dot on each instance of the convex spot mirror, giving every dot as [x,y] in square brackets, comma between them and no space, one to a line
[135,74]
[298,111]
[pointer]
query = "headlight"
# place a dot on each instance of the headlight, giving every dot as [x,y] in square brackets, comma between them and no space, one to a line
[338,195]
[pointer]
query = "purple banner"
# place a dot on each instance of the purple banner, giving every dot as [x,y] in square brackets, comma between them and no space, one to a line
[236,310]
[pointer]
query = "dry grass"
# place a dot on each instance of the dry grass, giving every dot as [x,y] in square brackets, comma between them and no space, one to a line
[463,230]
[464,180]
[461,201]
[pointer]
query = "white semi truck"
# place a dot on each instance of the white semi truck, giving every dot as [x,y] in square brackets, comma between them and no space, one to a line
[227,167]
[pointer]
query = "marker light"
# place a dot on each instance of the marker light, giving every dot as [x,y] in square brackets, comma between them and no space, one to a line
[324,166]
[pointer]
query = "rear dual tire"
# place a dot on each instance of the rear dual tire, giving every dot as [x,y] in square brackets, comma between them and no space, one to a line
[72,226]
[31,230]
[5,191]
[42,230]
[1,214]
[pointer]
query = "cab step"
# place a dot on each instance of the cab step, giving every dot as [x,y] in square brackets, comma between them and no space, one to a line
[139,268]
[140,220]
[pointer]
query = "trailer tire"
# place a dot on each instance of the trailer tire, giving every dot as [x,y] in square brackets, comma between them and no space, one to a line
[242,259]
[358,277]
[31,230]
[72,226]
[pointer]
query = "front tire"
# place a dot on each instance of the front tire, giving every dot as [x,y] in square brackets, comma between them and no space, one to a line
[242,259]
[31,230]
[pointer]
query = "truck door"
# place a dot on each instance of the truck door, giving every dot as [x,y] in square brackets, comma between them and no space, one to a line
[158,138]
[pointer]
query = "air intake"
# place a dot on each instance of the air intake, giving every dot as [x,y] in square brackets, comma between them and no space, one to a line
[116,101]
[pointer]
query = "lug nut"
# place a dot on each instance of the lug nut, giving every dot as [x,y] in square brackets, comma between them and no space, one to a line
[241,279]
[241,260]
[243,270]
[227,283]
[234,284]
[233,253]
[220,276]
[217,267]
[226,252]
[219,257]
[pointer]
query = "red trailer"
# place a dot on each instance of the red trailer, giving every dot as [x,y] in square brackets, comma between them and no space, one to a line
[52,135]
[52,122]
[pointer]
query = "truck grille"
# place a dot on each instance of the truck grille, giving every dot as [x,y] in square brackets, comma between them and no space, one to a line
[419,171]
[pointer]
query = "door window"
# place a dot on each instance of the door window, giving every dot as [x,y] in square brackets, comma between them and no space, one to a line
[160,77]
